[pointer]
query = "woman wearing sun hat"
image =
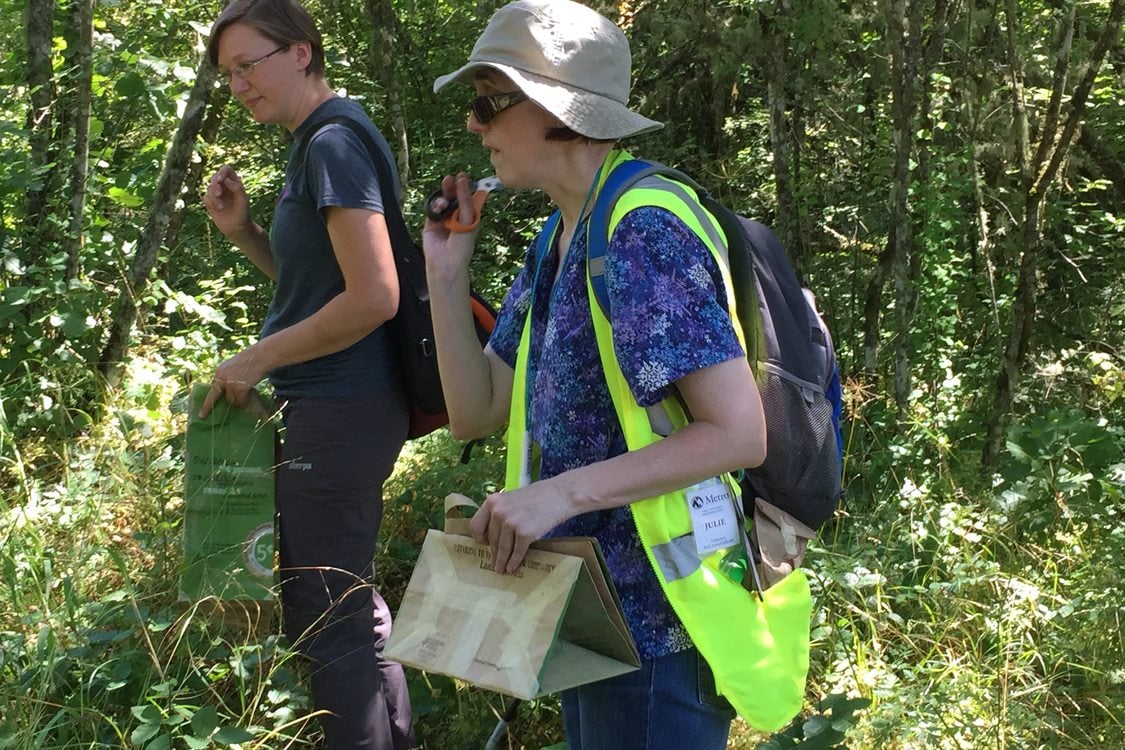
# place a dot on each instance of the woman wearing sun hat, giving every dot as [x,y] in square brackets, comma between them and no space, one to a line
[553,80]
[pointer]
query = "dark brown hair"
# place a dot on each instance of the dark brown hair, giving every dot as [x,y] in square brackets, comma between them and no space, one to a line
[286,22]
[566,134]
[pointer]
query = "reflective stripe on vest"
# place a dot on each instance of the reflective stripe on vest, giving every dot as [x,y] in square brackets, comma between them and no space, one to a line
[762,676]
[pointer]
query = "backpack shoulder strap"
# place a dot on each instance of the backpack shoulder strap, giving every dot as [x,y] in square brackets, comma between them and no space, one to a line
[407,257]
[546,236]
[677,190]
[396,225]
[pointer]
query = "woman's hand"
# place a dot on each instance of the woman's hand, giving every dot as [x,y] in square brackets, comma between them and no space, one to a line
[227,203]
[234,379]
[508,522]
[448,253]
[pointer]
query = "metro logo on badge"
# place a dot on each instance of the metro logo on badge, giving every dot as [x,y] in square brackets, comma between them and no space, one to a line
[713,519]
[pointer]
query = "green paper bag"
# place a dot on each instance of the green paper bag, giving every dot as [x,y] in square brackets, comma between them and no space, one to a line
[228,501]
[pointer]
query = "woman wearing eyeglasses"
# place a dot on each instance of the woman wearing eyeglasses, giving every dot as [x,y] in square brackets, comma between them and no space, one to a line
[327,355]
[552,79]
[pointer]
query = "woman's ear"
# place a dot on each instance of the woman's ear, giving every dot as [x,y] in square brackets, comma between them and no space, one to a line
[304,55]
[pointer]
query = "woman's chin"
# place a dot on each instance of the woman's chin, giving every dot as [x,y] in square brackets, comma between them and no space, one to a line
[500,170]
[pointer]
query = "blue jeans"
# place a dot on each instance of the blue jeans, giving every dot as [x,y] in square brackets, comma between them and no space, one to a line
[668,704]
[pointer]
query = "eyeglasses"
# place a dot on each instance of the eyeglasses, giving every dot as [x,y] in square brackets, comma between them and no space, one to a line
[246,69]
[485,108]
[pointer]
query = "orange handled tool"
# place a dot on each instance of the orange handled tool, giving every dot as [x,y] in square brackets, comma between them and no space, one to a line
[450,216]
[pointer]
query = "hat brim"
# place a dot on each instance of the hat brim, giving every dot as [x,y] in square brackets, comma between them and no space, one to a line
[585,112]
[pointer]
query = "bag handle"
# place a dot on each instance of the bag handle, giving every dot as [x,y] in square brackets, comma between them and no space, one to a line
[456,518]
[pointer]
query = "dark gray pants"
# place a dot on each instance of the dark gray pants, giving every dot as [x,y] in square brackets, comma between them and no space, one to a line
[336,455]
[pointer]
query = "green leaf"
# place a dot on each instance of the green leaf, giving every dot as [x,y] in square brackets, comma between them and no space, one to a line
[144,733]
[163,688]
[163,742]
[231,735]
[75,325]
[1017,451]
[816,725]
[124,197]
[205,721]
[130,85]
[146,713]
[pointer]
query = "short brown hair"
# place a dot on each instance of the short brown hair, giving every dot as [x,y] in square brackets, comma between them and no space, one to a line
[286,22]
[566,134]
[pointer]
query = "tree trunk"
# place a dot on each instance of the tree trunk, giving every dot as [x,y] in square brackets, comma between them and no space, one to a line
[168,188]
[774,66]
[873,305]
[82,26]
[903,47]
[929,55]
[1049,156]
[797,140]
[384,23]
[194,178]
[897,261]
[40,16]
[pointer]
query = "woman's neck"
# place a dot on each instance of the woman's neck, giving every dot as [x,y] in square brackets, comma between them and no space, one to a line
[315,94]
[572,192]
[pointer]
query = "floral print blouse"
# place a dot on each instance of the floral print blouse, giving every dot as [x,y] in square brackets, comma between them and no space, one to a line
[669,317]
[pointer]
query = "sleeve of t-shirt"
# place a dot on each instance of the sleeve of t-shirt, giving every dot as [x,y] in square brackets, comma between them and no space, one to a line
[341,172]
[506,334]
[667,303]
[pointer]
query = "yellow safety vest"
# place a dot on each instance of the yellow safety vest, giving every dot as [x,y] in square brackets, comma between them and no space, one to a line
[757,648]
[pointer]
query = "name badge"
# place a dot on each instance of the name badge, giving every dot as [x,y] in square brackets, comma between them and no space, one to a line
[714,522]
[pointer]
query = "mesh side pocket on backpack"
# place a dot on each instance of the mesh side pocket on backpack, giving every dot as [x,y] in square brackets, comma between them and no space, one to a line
[801,473]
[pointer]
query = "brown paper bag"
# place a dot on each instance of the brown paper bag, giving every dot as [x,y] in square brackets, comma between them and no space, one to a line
[554,624]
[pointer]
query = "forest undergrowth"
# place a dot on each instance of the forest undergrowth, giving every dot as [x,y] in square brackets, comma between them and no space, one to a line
[954,608]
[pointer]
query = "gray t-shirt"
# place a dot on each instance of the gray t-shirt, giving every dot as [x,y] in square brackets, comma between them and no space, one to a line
[337,171]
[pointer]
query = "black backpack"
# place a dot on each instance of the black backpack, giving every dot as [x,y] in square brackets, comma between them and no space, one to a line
[412,328]
[788,345]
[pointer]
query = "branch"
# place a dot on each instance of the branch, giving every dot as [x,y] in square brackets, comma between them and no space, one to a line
[168,187]
[1019,106]
[1081,93]
[1048,139]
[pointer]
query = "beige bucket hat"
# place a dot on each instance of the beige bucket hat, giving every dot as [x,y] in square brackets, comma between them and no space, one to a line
[569,59]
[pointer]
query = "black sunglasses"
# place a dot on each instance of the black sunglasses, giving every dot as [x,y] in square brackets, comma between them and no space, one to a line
[485,108]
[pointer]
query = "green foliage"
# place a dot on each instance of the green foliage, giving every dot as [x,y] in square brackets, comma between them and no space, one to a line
[823,731]
[973,615]
[969,609]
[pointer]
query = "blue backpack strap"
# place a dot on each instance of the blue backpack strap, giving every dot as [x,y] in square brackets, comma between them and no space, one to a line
[623,177]
[546,236]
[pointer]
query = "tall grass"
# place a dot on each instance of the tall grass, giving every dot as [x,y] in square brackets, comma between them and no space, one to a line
[971,610]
